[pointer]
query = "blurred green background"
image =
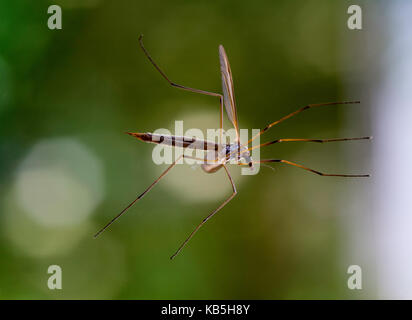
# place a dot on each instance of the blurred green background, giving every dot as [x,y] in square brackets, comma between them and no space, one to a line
[67,97]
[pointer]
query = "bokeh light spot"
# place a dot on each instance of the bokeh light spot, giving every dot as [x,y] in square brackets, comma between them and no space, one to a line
[60,182]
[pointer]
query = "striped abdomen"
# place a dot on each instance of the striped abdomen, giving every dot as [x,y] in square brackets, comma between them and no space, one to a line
[175,141]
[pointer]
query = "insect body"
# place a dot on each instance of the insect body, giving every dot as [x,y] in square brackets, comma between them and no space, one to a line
[219,155]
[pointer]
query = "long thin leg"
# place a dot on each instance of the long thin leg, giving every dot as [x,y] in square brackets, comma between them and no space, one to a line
[210,215]
[311,170]
[307,140]
[202,160]
[296,112]
[138,198]
[183,87]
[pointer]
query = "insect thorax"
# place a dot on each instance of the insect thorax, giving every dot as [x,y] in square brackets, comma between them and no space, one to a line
[235,153]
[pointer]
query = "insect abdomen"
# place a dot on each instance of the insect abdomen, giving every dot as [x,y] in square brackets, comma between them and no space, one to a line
[175,141]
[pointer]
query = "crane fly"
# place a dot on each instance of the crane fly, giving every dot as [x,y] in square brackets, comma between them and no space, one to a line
[222,154]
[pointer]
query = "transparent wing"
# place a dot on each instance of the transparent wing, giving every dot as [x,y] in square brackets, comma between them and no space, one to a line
[227,85]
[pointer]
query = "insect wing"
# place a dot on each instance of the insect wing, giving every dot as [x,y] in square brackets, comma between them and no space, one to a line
[227,85]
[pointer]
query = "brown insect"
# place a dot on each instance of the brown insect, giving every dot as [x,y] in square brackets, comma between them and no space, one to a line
[222,154]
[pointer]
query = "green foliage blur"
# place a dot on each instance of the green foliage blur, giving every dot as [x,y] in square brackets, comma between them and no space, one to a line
[82,87]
